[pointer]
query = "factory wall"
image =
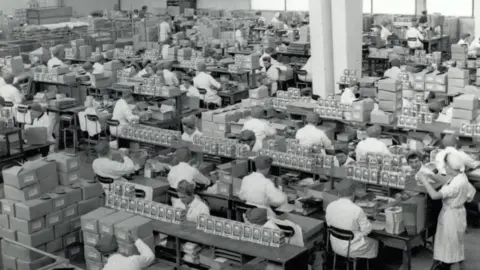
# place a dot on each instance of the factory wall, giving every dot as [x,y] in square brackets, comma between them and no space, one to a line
[224,4]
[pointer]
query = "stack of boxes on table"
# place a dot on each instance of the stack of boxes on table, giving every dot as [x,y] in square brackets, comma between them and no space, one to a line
[242,62]
[465,113]
[457,80]
[41,209]
[121,224]
[459,55]
[389,102]
[59,74]
[284,98]
[111,70]
[216,123]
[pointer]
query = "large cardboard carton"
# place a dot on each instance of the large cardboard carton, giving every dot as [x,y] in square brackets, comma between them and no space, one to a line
[65,162]
[36,239]
[107,223]
[90,220]
[33,209]
[27,227]
[27,193]
[137,226]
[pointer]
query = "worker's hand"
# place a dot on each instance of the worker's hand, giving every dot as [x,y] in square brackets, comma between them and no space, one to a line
[134,237]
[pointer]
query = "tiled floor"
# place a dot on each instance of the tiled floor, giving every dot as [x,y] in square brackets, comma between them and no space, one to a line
[421,261]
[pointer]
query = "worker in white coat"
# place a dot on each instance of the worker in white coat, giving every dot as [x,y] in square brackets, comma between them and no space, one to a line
[272,73]
[184,171]
[394,71]
[269,52]
[372,144]
[55,60]
[311,135]
[414,37]
[247,137]
[449,247]
[341,157]
[384,33]
[464,40]
[111,165]
[169,76]
[188,200]
[450,141]
[344,214]
[122,112]
[308,68]
[165,30]
[190,129]
[98,65]
[260,127]
[41,118]
[474,47]
[260,191]
[203,80]
[9,92]
[108,248]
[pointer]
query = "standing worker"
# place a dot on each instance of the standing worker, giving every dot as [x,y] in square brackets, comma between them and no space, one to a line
[424,18]
[55,60]
[165,30]
[449,247]
[394,71]
[414,37]
[122,112]
[260,127]
[311,135]
[9,92]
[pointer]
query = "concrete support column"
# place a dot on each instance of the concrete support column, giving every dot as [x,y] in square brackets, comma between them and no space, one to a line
[420,5]
[321,47]
[476,17]
[347,24]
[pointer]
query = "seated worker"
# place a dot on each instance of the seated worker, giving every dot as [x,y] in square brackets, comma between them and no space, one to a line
[260,127]
[110,164]
[98,64]
[187,199]
[344,214]
[247,137]
[169,76]
[239,34]
[151,69]
[308,68]
[394,71]
[184,171]
[464,40]
[55,61]
[187,86]
[261,21]
[203,80]
[311,135]
[341,157]
[414,160]
[108,248]
[269,52]
[414,37]
[372,144]
[122,112]
[258,190]
[41,119]
[272,73]
[9,92]
[474,47]
[190,129]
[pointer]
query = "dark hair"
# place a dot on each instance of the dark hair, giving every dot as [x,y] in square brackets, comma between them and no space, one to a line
[144,7]
[135,11]
[185,187]
[267,58]
[414,155]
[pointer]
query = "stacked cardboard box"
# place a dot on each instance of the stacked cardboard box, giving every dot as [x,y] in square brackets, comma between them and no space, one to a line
[390,96]
[111,68]
[460,55]
[436,82]
[361,110]
[457,80]
[217,123]
[67,168]
[478,77]
[465,110]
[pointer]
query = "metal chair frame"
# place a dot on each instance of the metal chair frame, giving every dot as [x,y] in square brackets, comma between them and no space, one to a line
[346,236]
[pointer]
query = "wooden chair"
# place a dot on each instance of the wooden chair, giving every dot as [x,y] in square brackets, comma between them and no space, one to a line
[344,235]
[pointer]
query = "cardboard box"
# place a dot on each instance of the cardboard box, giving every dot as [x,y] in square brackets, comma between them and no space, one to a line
[456,73]
[440,88]
[106,224]
[61,229]
[441,79]
[33,209]
[458,123]
[8,234]
[458,82]
[22,253]
[137,226]
[55,245]
[92,254]
[36,135]
[390,106]
[452,90]
[224,189]
[37,264]
[71,239]
[361,116]
[27,227]
[59,199]
[54,218]
[387,95]
[19,177]
[466,102]
[91,239]
[65,163]
[379,117]
[130,249]
[364,105]
[8,207]
[458,48]
[258,93]
[93,265]
[9,263]
[75,224]
[465,114]
[27,193]
[4,221]
[390,85]
[70,212]
[68,178]
[236,168]
[90,220]
[36,239]
[73,194]
[89,205]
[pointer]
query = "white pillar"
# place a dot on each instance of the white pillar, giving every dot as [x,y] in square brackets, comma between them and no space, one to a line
[321,47]
[476,16]
[420,6]
[347,24]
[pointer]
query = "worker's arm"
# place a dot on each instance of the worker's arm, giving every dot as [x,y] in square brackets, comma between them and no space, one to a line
[269,129]
[446,191]
[129,114]
[326,142]
[364,225]
[119,168]
[470,163]
[18,97]
[214,82]
[276,197]
[175,79]
[420,36]
[146,256]
[200,178]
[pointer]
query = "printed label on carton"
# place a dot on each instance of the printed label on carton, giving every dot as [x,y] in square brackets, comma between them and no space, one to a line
[32,192]
[54,220]
[37,225]
[59,203]
[29,178]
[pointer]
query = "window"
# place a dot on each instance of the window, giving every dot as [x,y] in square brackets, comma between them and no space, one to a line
[403,7]
[367,6]
[460,8]
[268,4]
[297,5]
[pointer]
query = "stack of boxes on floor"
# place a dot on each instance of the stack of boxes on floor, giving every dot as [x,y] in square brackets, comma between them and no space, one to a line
[465,112]
[111,68]
[460,55]
[43,201]
[105,221]
[390,102]
[457,80]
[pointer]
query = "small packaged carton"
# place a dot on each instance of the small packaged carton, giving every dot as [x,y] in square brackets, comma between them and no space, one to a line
[90,220]
[54,218]
[138,226]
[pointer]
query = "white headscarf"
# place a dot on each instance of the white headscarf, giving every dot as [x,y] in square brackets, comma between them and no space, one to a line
[452,157]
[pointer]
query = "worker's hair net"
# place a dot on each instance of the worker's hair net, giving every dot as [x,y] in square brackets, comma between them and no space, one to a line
[247,135]
[37,108]
[257,112]
[183,154]
[374,131]
[267,58]
[98,58]
[312,118]
[186,188]
[103,148]
[451,157]
[189,122]
[257,216]
[56,51]
[263,162]
[201,66]
[395,63]
[107,244]
[8,78]
[450,140]
[87,66]
[167,65]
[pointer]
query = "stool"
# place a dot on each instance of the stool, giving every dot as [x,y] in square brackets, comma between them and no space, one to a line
[69,120]
[203,92]
[298,84]
[23,110]
[346,236]
[105,180]
[113,123]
